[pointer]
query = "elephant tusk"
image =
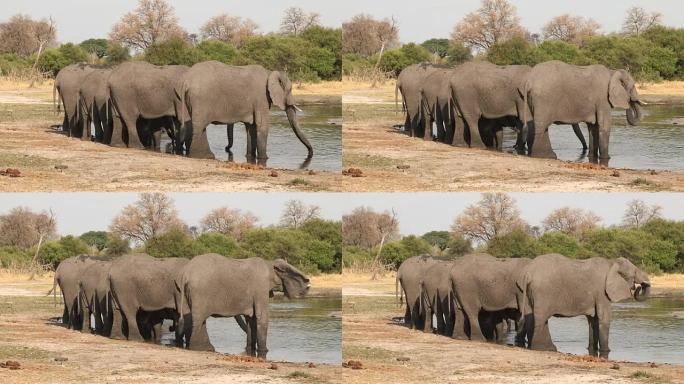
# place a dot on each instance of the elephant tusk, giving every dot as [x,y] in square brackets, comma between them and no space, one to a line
[642,103]
[297,108]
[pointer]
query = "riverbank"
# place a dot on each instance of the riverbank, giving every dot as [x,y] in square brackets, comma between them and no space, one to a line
[389,352]
[379,157]
[48,353]
[49,161]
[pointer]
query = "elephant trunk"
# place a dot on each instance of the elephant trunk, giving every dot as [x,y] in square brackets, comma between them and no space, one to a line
[642,292]
[292,118]
[633,113]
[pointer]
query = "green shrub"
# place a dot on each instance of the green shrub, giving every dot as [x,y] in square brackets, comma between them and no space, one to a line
[217,243]
[175,51]
[514,51]
[217,50]
[393,254]
[557,242]
[116,54]
[438,239]
[116,246]
[517,243]
[458,246]
[97,47]
[53,252]
[15,258]
[95,239]
[175,243]
[439,47]
[356,258]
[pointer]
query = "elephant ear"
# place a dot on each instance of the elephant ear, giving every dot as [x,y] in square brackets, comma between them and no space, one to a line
[617,288]
[617,96]
[275,90]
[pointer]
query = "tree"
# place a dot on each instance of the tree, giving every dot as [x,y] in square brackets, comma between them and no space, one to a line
[438,47]
[116,54]
[217,50]
[95,239]
[174,51]
[152,215]
[97,47]
[153,21]
[296,20]
[571,221]
[296,213]
[438,239]
[365,228]
[24,229]
[639,213]
[638,20]
[116,246]
[228,221]
[228,29]
[515,51]
[366,36]
[571,29]
[494,215]
[217,243]
[55,251]
[458,246]
[24,36]
[495,21]
[516,243]
[173,243]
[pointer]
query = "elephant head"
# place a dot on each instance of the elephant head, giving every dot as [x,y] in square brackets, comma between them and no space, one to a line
[293,282]
[622,93]
[280,95]
[624,280]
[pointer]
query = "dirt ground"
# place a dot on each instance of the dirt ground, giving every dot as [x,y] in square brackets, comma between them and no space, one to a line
[389,352]
[50,161]
[388,160]
[49,353]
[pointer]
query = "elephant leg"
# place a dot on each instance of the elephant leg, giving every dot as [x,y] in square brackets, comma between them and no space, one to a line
[604,139]
[441,324]
[539,141]
[459,132]
[229,134]
[541,337]
[474,129]
[251,134]
[85,313]
[85,127]
[130,122]
[459,326]
[593,335]
[427,317]
[250,348]
[476,333]
[157,331]
[97,121]
[580,136]
[99,325]
[407,125]
[131,320]
[116,139]
[427,124]
[593,142]
[156,140]
[499,139]
[117,325]
[603,325]
[199,148]
[407,317]
[199,338]
[261,322]
[441,128]
[500,336]
[65,316]
[261,127]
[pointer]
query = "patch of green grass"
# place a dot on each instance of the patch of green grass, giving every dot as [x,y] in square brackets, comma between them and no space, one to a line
[11,352]
[299,375]
[22,112]
[298,181]
[643,375]
[645,183]
[30,304]
[368,161]
[10,160]
[367,353]
[371,305]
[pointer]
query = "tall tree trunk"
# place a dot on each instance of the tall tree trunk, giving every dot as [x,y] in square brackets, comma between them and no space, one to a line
[34,74]
[377,65]
[34,265]
[376,261]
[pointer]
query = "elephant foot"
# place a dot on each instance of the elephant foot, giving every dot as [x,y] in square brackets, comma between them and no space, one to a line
[459,337]
[228,147]
[545,347]
[203,155]
[261,353]
[604,354]
[545,155]
[118,144]
[202,347]
[117,336]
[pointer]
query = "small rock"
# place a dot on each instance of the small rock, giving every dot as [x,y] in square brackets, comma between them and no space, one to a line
[615,173]
[311,365]
[353,172]
[60,358]
[653,365]
[273,366]
[11,172]
[61,166]
[273,174]
[353,364]
[403,166]
[13,365]
[312,172]
[615,366]
[403,358]
[653,172]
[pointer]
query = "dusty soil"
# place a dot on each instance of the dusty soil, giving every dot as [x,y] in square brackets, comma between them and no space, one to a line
[30,335]
[389,160]
[50,161]
[389,352]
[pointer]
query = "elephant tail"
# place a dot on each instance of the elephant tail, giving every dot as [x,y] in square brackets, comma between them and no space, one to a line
[181,96]
[524,92]
[396,98]
[399,295]
[180,289]
[55,105]
[53,290]
[523,283]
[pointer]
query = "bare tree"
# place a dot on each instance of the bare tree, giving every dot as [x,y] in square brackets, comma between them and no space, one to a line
[571,29]
[495,214]
[228,221]
[296,20]
[639,213]
[23,228]
[366,36]
[495,21]
[571,221]
[24,36]
[152,21]
[639,20]
[297,213]
[153,214]
[229,29]
[365,228]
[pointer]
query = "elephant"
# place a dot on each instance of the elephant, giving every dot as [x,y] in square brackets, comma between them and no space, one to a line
[554,285]
[67,84]
[213,92]
[409,83]
[436,298]
[436,107]
[407,284]
[93,105]
[481,282]
[213,285]
[139,91]
[94,297]
[67,275]
[139,282]
[557,92]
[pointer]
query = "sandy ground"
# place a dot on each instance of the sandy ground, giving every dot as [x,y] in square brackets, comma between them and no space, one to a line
[49,161]
[392,353]
[30,336]
[391,161]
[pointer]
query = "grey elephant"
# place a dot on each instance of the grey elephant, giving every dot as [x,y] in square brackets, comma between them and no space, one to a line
[93,105]
[436,106]
[407,285]
[409,84]
[67,84]
[436,297]
[67,276]
[94,297]
[482,282]
[140,283]
[554,285]
[213,92]
[557,92]
[139,92]
[217,286]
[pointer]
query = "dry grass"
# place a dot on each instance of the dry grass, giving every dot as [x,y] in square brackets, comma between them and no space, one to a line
[665,88]
[9,84]
[331,280]
[330,88]
[9,276]
[668,284]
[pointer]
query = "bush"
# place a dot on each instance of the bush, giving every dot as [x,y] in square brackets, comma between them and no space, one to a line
[356,258]
[393,254]
[557,242]
[116,54]
[458,54]
[438,239]
[175,51]
[560,50]
[514,51]
[395,60]
[217,50]
[459,246]
[97,47]
[95,239]
[217,243]
[52,61]
[175,243]
[53,252]
[14,65]
[116,246]
[439,47]
[517,243]
[15,258]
